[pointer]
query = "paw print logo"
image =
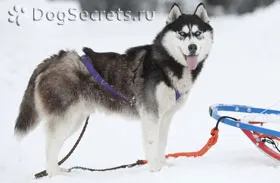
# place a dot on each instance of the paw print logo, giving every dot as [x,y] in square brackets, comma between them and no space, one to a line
[14,15]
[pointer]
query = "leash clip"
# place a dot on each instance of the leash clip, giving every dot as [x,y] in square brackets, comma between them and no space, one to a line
[214,131]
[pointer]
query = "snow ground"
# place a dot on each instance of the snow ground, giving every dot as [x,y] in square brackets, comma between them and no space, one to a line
[243,68]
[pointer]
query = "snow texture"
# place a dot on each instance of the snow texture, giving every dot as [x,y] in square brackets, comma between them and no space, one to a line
[243,68]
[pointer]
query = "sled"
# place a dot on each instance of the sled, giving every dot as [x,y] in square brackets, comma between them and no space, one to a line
[264,139]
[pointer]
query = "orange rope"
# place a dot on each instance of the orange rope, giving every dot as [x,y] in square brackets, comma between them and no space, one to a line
[211,142]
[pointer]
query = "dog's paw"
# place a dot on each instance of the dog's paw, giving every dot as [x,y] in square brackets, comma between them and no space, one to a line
[56,171]
[155,166]
[53,173]
[165,163]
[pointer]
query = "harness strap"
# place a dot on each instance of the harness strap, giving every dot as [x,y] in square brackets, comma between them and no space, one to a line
[99,79]
[87,62]
[178,95]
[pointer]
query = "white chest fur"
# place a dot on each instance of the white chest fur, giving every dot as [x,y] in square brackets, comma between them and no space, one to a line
[184,84]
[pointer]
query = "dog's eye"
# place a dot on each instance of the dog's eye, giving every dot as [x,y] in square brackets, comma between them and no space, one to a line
[197,33]
[183,34]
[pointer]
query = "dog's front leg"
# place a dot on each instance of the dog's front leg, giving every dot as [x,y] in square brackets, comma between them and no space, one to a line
[150,133]
[165,122]
[163,134]
[151,115]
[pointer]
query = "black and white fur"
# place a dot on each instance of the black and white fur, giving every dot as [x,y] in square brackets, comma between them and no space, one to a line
[63,93]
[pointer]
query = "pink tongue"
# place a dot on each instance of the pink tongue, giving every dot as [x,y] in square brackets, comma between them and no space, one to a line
[192,62]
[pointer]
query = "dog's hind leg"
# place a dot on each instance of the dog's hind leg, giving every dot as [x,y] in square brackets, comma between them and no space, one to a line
[58,129]
[54,142]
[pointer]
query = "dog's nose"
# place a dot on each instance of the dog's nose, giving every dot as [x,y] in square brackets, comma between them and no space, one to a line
[192,48]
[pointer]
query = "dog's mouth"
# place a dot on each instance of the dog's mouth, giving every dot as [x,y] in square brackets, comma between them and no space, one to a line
[192,61]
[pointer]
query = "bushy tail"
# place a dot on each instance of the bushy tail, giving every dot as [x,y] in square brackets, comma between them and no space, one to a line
[28,116]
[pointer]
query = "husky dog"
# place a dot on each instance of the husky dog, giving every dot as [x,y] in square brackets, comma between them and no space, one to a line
[156,77]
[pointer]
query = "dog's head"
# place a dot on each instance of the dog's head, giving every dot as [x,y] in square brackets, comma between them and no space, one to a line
[187,38]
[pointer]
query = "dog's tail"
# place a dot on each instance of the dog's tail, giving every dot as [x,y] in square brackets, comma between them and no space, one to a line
[28,117]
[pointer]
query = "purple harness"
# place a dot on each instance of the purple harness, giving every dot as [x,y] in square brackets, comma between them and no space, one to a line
[100,80]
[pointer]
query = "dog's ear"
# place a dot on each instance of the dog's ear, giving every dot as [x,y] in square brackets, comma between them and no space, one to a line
[201,12]
[174,13]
